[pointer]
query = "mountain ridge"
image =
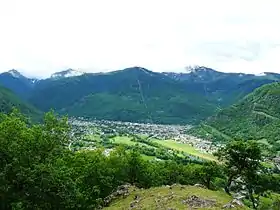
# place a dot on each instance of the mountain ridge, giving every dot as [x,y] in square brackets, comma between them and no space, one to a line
[187,70]
[18,83]
[139,93]
[134,92]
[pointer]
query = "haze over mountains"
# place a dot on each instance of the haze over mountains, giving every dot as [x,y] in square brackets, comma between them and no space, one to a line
[137,94]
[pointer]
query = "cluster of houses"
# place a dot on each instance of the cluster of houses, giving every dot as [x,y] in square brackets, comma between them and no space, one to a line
[164,132]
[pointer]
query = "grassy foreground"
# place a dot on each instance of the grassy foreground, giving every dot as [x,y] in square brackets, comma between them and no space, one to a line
[174,197]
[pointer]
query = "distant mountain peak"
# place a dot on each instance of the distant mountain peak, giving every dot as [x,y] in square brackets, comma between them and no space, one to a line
[197,69]
[139,70]
[15,73]
[260,74]
[190,69]
[67,73]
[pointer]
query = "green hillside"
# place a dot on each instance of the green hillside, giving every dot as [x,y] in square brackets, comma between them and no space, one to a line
[8,101]
[133,94]
[256,117]
[222,89]
[174,197]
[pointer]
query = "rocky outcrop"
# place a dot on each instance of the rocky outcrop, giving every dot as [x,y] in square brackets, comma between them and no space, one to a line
[122,191]
[197,202]
[233,204]
[200,186]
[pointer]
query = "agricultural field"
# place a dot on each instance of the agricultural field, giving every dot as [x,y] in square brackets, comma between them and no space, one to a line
[185,148]
[150,148]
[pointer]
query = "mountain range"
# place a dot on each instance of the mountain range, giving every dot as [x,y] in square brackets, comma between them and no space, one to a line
[137,94]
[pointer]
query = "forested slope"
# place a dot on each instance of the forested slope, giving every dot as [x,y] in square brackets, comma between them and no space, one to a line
[257,117]
[8,101]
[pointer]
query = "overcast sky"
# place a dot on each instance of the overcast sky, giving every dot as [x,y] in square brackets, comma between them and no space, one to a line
[39,37]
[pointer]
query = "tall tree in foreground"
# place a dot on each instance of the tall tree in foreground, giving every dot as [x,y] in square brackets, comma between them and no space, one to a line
[242,160]
[28,154]
[209,172]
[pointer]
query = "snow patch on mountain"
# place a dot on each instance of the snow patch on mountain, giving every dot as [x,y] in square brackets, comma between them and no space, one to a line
[15,73]
[67,73]
[260,74]
[192,69]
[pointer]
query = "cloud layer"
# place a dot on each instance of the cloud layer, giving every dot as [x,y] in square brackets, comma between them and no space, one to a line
[41,37]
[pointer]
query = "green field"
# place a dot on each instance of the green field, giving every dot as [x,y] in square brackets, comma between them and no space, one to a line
[123,140]
[146,157]
[94,137]
[185,148]
[127,140]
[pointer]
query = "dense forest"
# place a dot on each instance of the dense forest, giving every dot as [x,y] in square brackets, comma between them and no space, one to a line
[38,171]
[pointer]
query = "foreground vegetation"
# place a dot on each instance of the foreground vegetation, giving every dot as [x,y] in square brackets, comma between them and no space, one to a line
[38,171]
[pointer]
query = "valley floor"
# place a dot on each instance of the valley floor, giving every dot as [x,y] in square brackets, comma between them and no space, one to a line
[147,136]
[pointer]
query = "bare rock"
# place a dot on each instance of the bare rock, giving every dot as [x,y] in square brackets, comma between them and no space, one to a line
[239,196]
[136,197]
[196,202]
[200,185]
[233,204]
[228,206]
[237,202]
[133,204]
[122,190]
[174,185]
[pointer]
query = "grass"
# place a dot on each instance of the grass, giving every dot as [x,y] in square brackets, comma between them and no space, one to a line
[185,148]
[166,198]
[94,137]
[268,164]
[263,141]
[123,140]
[146,157]
[127,140]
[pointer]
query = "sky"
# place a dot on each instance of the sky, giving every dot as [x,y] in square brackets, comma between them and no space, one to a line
[40,37]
